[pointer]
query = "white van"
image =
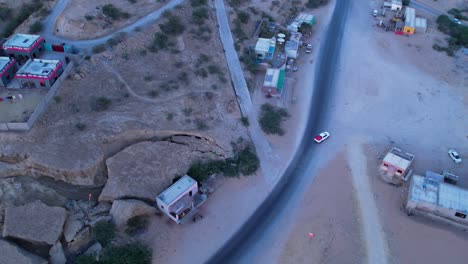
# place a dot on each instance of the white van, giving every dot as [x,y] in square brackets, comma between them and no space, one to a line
[376,12]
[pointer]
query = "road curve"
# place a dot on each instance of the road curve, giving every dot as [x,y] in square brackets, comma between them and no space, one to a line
[48,32]
[278,199]
[426,8]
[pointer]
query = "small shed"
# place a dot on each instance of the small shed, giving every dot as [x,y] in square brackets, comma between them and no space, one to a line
[300,19]
[438,198]
[265,49]
[410,21]
[273,82]
[396,165]
[420,25]
[181,200]
[7,70]
[396,5]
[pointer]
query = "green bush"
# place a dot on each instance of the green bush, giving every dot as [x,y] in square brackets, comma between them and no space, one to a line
[245,121]
[243,17]
[113,12]
[104,232]
[100,104]
[6,13]
[459,33]
[99,48]
[80,126]
[136,224]
[406,2]
[160,42]
[199,15]
[128,254]
[196,3]
[201,124]
[173,26]
[36,27]
[86,259]
[316,3]
[271,118]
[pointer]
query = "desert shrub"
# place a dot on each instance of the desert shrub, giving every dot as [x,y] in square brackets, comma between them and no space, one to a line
[169,116]
[99,48]
[153,93]
[113,12]
[305,28]
[36,27]
[196,3]
[80,126]
[24,13]
[160,41]
[100,104]
[203,58]
[89,17]
[236,3]
[134,253]
[209,95]
[201,124]
[187,111]
[86,259]
[244,161]
[6,13]
[245,121]
[214,69]
[148,78]
[132,1]
[184,78]
[136,224]
[458,13]
[201,72]
[173,26]
[199,15]
[243,17]
[57,99]
[271,118]
[104,232]
[316,3]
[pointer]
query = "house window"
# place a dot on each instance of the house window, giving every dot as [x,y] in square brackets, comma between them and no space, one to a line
[462,216]
[399,171]
[385,165]
[190,193]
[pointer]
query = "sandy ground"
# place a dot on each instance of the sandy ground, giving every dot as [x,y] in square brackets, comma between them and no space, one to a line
[20,110]
[328,210]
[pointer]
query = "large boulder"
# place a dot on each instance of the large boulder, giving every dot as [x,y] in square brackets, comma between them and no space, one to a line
[35,222]
[10,253]
[57,256]
[123,210]
[72,227]
[146,169]
[80,241]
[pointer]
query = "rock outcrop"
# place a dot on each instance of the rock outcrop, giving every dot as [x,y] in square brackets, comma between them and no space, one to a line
[10,253]
[94,250]
[145,169]
[123,210]
[72,227]
[81,239]
[35,222]
[57,256]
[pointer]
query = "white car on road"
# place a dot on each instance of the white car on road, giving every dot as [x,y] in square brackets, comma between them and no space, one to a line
[454,155]
[321,137]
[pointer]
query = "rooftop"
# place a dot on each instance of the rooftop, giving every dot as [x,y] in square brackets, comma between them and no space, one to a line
[420,22]
[291,45]
[397,158]
[274,78]
[305,18]
[295,36]
[263,44]
[38,68]
[176,189]
[21,41]
[438,193]
[3,63]
[410,17]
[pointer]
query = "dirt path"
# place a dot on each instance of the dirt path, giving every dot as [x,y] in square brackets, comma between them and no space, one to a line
[376,244]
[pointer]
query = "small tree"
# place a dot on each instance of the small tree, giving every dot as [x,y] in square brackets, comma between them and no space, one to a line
[36,27]
[173,26]
[104,232]
[271,118]
[243,17]
[101,104]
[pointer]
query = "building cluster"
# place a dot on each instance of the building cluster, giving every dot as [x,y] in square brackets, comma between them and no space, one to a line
[432,194]
[274,52]
[405,21]
[22,62]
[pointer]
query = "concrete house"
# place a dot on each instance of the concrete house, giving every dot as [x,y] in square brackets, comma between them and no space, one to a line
[420,25]
[410,21]
[273,82]
[181,200]
[7,70]
[39,73]
[438,198]
[23,47]
[395,166]
[396,5]
[292,45]
[265,48]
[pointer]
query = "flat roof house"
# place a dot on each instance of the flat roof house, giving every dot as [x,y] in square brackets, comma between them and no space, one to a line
[300,19]
[273,82]
[291,49]
[23,46]
[181,200]
[395,166]
[265,49]
[39,73]
[410,21]
[7,70]
[435,197]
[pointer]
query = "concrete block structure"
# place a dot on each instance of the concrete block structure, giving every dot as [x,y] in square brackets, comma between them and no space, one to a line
[265,49]
[39,73]
[23,47]
[438,198]
[273,82]
[396,5]
[395,166]
[7,70]
[181,200]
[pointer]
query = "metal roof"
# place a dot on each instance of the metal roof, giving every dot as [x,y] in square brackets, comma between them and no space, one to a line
[291,45]
[176,189]
[421,23]
[263,44]
[38,67]
[438,193]
[21,40]
[410,17]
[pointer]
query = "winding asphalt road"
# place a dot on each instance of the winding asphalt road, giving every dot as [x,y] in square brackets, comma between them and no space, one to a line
[49,23]
[280,197]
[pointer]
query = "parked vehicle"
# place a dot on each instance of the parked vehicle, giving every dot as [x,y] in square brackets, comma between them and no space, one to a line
[376,12]
[309,48]
[454,156]
[456,21]
[321,137]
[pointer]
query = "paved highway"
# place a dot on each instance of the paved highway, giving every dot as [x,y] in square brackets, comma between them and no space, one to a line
[279,198]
